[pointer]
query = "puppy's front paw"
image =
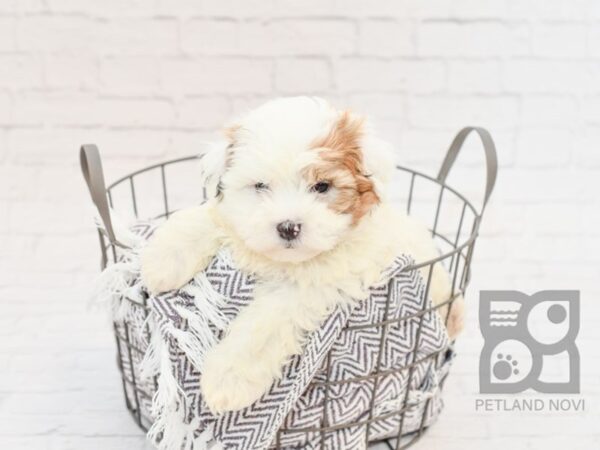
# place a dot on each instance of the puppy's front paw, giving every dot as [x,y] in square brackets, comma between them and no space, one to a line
[162,270]
[228,384]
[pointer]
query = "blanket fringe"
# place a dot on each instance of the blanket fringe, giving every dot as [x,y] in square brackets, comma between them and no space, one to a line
[119,287]
[170,429]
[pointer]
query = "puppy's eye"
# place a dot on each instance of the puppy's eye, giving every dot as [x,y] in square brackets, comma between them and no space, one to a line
[260,186]
[321,187]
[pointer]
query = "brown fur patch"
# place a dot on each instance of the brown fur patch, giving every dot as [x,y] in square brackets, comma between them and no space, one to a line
[341,163]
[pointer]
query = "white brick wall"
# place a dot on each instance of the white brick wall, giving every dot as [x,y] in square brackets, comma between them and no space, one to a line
[149,80]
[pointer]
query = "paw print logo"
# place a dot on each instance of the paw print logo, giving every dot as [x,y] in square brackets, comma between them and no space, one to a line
[505,367]
[523,332]
[510,362]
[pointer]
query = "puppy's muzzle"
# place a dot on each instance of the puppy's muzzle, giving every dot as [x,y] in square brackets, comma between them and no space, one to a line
[289,230]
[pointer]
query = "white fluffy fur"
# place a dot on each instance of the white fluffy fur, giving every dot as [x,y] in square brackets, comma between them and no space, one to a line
[332,261]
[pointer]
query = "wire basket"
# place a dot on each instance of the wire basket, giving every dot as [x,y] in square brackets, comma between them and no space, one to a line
[452,219]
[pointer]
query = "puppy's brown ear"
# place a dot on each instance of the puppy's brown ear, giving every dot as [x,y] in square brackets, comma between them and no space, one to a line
[379,160]
[345,134]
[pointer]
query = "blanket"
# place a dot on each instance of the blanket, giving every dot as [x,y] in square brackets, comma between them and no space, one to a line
[302,409]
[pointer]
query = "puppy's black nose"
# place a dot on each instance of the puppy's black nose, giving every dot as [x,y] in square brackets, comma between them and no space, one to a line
[289,230]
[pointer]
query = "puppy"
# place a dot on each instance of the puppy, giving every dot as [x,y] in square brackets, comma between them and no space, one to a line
[299,200]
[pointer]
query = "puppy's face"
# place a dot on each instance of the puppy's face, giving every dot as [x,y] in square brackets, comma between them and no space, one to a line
[294,179]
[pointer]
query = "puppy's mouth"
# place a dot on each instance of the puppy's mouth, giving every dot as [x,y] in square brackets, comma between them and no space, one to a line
[290,245]
[291,252]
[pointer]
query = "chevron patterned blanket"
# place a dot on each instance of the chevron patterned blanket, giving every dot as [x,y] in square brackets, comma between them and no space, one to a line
[301,410]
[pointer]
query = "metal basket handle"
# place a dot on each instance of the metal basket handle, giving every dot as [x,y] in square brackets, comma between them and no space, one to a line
[91,167]
[491,158]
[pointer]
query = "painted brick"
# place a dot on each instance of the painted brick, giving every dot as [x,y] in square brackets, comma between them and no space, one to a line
[375,75]
[79,72]
[548,110]
[20,71]
[544,148]
[216,76]
[210,37]
[437,38]
[562,40]
[134,36]
[130,75]
[119,112]
[474,77]
[6,109]
[57,34]
[8,37]
[498,113]
[386,38]
[548,77]
[306,75]
[297,37]
[203,113]
[575,10]
[57,108]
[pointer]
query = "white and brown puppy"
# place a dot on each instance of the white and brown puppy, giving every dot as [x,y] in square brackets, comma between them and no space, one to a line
[300,202]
